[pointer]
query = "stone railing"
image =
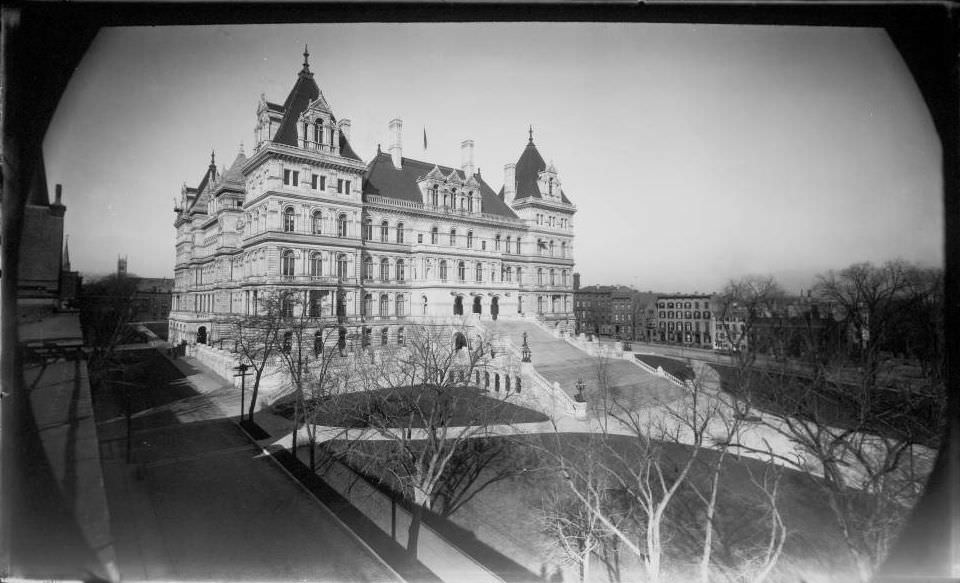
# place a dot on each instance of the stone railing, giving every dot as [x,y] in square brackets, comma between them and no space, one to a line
[655,371]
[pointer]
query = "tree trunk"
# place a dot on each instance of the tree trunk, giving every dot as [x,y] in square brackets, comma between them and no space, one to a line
[254,391]
[413,532]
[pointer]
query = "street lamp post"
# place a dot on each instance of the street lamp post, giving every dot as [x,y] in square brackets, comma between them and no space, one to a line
[580,387]
[242,373]
[525,350]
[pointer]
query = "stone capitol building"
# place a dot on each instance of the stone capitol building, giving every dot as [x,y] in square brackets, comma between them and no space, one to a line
[372,246]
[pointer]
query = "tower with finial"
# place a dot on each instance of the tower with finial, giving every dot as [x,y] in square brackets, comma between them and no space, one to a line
[121,266]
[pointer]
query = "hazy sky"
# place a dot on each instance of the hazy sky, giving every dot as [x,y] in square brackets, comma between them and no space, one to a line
[693,153]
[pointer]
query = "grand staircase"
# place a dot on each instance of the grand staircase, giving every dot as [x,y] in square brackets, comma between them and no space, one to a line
[559,361]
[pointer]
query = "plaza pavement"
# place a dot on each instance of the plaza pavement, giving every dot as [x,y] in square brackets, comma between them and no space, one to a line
[201,502]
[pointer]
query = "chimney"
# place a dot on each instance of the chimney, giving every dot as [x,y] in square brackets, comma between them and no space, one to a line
[345,128]
[466,157]
[57,200]
[509,182]
[396,151]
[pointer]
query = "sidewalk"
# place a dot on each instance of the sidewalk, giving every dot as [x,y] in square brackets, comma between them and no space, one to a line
[200,501]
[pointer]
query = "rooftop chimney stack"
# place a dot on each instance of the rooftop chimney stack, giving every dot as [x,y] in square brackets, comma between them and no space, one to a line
[396,150]
[509,182]
[466,157]
[58,200]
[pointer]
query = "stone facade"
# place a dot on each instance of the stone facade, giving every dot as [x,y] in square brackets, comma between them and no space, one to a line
[368,245]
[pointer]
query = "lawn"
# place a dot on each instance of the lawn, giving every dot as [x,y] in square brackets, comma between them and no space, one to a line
[459,406]
[508,516]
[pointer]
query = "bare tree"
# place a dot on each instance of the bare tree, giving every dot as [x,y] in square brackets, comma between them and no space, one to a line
[255,339]
[654,461]
[423,405]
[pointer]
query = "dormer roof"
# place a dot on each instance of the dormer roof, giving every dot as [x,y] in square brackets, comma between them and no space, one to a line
[528,170]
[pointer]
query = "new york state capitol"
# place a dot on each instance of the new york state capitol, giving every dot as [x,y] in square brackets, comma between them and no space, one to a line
[372,247]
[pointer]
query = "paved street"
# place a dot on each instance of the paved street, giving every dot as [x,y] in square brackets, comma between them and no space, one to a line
[201,502]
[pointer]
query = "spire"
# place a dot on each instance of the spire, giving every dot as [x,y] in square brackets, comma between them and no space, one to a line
[531,134]
[66,255]
[305,72]
[213,162]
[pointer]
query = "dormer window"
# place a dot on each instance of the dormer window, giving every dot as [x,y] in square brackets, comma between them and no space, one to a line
[434,191]
[289,220]
[470,203]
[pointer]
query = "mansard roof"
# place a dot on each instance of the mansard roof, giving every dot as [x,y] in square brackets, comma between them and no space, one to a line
[383,179]
[233,175]
[304,92]
[528,170]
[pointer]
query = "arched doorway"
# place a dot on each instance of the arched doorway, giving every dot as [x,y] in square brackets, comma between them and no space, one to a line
[458,306]
[459,341]
[477,308]
[202,335]
[494,307]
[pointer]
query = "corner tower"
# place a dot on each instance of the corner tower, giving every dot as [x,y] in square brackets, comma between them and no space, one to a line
[533,190]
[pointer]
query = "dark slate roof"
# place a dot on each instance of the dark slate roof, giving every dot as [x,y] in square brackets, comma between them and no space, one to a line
[304,91]
[529,167]
[382,179]
[233,174]
[274,106]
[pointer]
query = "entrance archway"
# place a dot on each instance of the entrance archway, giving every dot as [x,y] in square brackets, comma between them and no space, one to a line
[459,341]
[494,307]
[477,308]
[458,306]
[202,335]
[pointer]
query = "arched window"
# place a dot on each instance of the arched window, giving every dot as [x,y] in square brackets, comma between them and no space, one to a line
[434,235]
[539,304]
[518,386]
[401,271]
[368,304]
[401,304]
[318,131]
[539,276]
[287,263]
[342,225]
[289,220]
[496,242]
[443,270]
[553,277]
[317,343]
[367,229]
[453,237]
[399,232]
[446,199]
[384,270]
[459,341]
[470,203]
[341,265]
[384,232]
[427,269]
[367,268]
[461,271]
[317,222]
[519,276]
[551,248]
[384,305]
[423,300]
[469,239]
[563,249]
[564,276]
[384,334]
[316,265]
[509,240]
[518,245]
[479,272]
[496,382]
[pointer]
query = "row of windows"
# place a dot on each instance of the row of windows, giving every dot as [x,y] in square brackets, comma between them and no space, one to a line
[450,199]
[384,304]
[552,221]
[683,305]
[317,181]
[687,315]
[316,222]
[288,264]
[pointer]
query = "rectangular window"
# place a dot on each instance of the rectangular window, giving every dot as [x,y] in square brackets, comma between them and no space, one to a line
[419,237]
[295,178]
[348,187]
[483,245]
[339,185]
[286,177]
[313,181]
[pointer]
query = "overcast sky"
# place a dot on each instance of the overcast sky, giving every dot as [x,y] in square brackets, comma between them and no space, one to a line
[694,153]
